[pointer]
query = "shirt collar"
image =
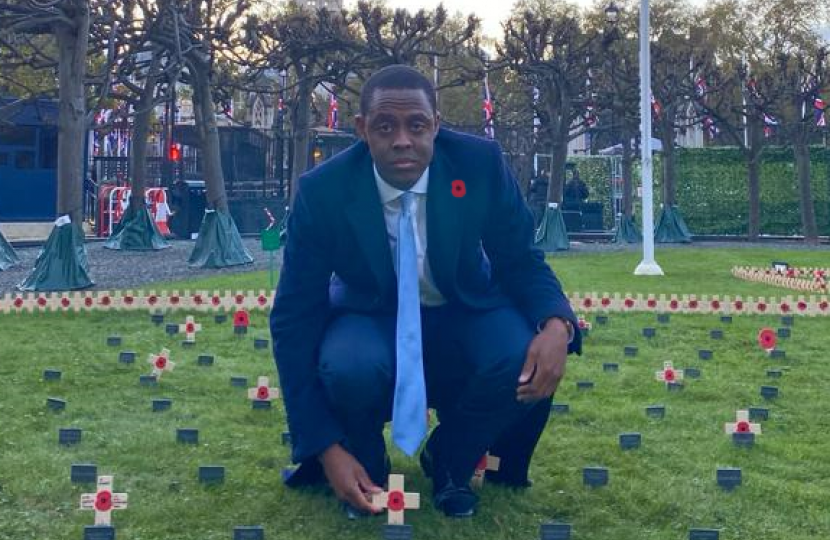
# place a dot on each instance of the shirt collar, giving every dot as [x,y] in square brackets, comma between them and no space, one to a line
[389,193]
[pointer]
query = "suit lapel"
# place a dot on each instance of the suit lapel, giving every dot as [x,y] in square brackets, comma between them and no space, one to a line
[445,222]
[365,214]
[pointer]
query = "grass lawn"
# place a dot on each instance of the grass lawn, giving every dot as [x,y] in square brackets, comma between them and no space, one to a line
[657,492]
[688,270]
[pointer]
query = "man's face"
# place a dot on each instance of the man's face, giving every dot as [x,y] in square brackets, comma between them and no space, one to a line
[400,128]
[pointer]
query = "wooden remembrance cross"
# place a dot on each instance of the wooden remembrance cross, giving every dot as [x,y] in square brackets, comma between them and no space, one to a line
[104,501]
[396,500]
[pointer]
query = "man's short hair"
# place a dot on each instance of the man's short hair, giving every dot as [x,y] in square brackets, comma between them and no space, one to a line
[397,77]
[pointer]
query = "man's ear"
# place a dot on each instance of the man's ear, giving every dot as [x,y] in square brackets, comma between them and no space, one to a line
[360,126]
[437,123]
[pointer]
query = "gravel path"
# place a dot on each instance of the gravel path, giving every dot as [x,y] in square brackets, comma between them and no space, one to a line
[111,269]
[116,269]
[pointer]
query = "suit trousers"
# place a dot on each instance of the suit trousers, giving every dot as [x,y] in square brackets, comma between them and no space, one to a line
[472,362]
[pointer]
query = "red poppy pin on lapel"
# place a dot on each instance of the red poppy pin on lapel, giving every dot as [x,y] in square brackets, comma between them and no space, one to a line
[459,189]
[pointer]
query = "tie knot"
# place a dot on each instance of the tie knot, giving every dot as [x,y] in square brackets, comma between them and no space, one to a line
[406,202]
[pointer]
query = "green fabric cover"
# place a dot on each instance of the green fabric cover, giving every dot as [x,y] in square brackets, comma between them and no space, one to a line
[62,264]
[551,234]
[671,227]
[136,232]
[628,232]
[219,243]
[8,257]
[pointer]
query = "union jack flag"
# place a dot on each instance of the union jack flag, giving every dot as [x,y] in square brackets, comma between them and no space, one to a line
[487,108]
[819,106]
[769,123]
[656,108]
[331,123]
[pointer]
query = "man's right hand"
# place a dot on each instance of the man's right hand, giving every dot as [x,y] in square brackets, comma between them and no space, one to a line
[348,479]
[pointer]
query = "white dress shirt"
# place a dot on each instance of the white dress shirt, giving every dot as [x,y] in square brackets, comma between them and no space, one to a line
[390,198]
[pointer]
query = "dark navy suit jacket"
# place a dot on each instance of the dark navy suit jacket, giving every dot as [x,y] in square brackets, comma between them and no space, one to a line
[337,257]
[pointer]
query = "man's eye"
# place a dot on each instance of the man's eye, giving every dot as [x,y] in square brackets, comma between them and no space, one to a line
[384,128]
[418,126]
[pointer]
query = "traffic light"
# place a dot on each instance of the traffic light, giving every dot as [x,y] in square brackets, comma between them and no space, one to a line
[175,152]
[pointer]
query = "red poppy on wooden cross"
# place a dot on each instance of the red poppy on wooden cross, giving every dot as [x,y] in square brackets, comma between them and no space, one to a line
[742,424]
[669,374]
[189,329]
[241,319]
[767,339]
[486,463]
[583,324]
[396,500]
[262,392]
[104,501]
[161,363]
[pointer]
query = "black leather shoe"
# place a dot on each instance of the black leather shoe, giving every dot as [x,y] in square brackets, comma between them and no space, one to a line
[508,481]
[455,501]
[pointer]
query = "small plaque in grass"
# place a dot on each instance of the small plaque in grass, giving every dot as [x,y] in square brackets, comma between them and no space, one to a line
[584,385]
[729,478]
[204,360]
[171,329]
[630,441]
[114,341]
[716,334]
[260,344]
[83,473]
[99,532]
[555,531]
[692,373]
[249,533]
[239,381]
[211,474]
[220,318]
[397,532]
[560,408]
[157,318]
[674,386]
[286,437]
[601,319]
[784,333]
[595,476]
[55,404]
[161,405]
[726,319]
[610,367]
[758,413]
[743,439]
[260,405]
[187,344]
[663,318]
[656,411]
[774,373]
[148,380]
[778,354]
[187,435]
[787,320]
[769,392]
[704,534]
[69,436]
[649,332]
[705,354]
[630,351]
[126,357]
[51,375]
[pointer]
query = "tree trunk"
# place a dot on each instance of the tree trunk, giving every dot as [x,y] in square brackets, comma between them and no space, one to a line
[808,213]
[302,129]
[217,197]
[138,152]
[558,157]
[627,172]
[668,160]
[72,46]
[753,156]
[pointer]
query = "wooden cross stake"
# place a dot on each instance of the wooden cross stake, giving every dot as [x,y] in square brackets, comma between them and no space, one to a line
[742,424]
[396,500]
[161,363]
[189,329]
[486,463]
[104,501]
[262,392]
[668,374]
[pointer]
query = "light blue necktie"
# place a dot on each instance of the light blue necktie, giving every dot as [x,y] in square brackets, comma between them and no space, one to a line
[409,413]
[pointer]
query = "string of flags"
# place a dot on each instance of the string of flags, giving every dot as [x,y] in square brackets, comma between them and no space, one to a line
[487,109]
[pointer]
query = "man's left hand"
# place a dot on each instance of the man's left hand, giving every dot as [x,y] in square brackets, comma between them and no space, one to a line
[545,364]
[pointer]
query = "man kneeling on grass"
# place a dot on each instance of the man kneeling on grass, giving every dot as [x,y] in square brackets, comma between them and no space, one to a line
[410,280]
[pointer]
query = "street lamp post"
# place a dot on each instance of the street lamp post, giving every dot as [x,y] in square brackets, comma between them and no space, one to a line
[648,266]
